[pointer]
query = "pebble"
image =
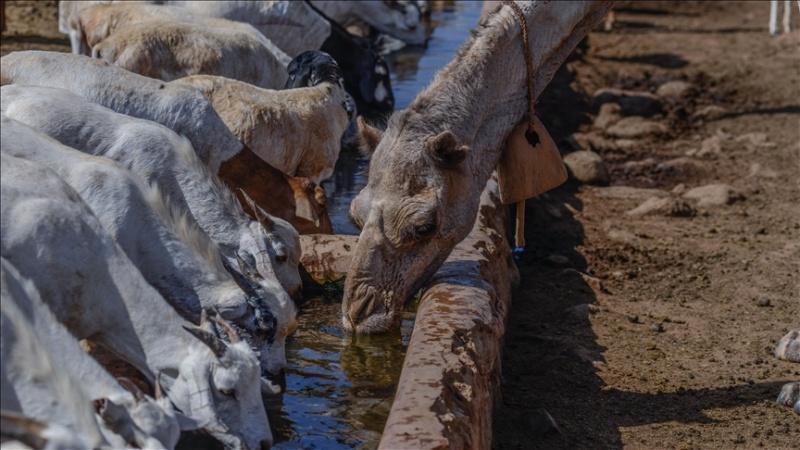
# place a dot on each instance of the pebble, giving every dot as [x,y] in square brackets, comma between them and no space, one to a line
[657,328]
[631,103]
[587,167]
[675,90]
[667,206]
[713,195]
[610,113]
[709,112]
[636,127]
[634,319]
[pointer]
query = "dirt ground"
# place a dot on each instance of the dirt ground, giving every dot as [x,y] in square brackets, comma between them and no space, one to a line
[651,331]
[657,331]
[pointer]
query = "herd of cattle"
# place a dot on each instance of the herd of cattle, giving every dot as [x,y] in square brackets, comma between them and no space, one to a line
[153,186]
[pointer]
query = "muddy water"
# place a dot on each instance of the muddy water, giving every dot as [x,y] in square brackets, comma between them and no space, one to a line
[339,389]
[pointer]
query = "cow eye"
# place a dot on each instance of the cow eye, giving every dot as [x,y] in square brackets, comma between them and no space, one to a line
[228,393]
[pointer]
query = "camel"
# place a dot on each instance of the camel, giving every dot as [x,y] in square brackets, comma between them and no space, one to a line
[428,171]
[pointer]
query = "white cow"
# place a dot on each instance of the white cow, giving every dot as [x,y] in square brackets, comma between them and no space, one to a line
[297,131]
[182,109]
[42,341]
[171,253]
[159,156]
[52,238]
[289,24]
[399,19]
[166,42]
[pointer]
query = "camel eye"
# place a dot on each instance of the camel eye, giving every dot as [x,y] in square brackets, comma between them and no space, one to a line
[424,230]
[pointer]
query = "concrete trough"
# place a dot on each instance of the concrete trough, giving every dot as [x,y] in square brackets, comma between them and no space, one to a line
[450,375]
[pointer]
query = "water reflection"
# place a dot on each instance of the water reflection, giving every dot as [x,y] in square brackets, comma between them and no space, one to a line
[340,389]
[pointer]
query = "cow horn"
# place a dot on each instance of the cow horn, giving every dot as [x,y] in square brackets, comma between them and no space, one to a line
[214,343]
[132,388]
[233,335]
[158,391]
[261,216]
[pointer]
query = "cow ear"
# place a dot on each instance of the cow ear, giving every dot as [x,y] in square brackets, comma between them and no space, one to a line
[445,150]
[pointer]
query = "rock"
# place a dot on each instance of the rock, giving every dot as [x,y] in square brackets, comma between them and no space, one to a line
[763,302]
[636,127]
[609,114]
[667,206]
[594,283]
[680,165]
[790,395]
[631,103]
[755,140]
[679,189]
[709,147]
[639,166]
[709,112]
[788,347]
[633,319]
[713,195]
[757,170]
[675,90]
[587,167]
[657,328]
[629,192]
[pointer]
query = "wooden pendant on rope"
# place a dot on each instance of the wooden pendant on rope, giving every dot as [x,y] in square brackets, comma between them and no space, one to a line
[531,163]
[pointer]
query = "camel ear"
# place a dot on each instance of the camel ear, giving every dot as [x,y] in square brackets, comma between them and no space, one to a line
[368,137]
[445,151]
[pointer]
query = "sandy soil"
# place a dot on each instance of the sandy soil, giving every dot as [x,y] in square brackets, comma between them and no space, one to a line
[672,347]
[653,331]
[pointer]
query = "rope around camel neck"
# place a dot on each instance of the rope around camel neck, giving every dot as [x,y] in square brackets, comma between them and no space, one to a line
[526,53]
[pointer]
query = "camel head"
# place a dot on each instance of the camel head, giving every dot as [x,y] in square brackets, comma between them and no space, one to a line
[420,201]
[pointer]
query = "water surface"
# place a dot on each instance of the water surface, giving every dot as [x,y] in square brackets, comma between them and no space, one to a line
[339,389]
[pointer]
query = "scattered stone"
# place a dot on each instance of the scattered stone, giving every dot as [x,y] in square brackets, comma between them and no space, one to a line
[757,170]
[558,260]
[657,328]
[610,113]
[679,189]
[788,347]
[713,195]
[667,206]
[710,146]
[675,90]
[593,282]
[681,164]
[763,302]
[631,103]
[757,140]
[630,193]
[636,127]
[587,167]
[710,112]
[633,319]
[639,166]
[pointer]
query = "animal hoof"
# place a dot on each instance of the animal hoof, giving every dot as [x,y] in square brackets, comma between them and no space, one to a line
[788,347]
